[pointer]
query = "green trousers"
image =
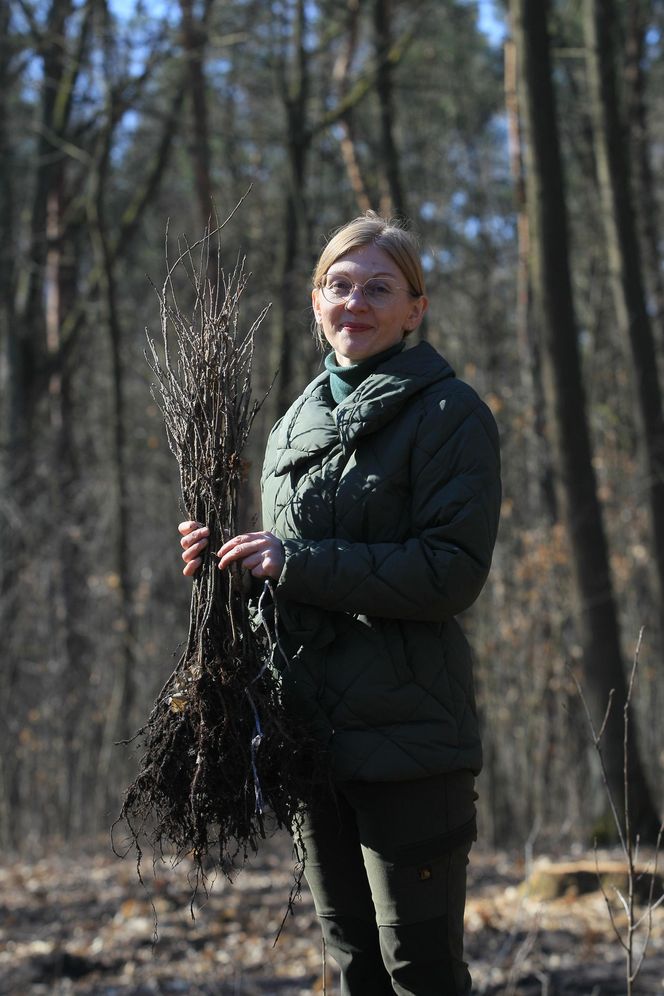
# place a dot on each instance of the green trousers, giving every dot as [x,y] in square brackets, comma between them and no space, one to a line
[386,865]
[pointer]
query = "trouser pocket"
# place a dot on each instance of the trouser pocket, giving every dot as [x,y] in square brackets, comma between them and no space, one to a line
[424,884]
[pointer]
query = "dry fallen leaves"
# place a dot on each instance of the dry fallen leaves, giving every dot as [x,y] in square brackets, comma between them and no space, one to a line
[86,926]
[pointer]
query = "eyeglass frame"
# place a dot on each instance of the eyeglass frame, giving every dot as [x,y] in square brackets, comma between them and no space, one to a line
[354,284]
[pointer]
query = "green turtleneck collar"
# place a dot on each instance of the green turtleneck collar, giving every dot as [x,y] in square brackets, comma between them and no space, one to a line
[344,380]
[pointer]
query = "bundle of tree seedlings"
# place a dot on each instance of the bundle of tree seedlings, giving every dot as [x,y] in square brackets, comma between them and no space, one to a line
[221,764]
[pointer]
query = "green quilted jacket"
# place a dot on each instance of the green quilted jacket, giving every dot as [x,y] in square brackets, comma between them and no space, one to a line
[387,506]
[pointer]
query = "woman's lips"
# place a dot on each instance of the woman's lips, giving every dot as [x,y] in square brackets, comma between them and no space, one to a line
[355,327]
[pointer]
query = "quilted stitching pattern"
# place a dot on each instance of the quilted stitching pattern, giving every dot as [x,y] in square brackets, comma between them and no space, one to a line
[388,509]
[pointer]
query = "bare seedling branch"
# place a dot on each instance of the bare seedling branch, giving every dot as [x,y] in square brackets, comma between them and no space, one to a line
[221,763]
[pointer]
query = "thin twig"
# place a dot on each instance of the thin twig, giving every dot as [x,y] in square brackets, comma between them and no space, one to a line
[629,846]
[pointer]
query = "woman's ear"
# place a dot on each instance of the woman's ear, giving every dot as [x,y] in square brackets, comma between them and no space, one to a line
[417,312]
[315,304]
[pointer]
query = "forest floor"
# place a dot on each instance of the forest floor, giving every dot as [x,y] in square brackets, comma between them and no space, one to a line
[82,923]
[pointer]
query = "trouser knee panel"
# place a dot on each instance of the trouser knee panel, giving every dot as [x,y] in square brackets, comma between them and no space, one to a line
[420,958]
[354,945]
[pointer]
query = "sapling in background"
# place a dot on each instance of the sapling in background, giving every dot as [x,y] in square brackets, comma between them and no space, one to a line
[633,935]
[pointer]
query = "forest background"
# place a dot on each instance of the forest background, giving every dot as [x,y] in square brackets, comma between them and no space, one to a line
[526,149]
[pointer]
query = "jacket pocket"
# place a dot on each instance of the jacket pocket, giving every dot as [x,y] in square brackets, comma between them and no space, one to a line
[394,641]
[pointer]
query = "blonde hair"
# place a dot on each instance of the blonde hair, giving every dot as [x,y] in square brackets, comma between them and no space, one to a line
[387,234]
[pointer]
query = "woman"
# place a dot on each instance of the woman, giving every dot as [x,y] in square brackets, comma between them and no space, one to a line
[381,496]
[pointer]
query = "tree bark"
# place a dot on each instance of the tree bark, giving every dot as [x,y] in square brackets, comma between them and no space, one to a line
[193,38]
[294,85]
[624,259]
[118,722]
[341,74]
[645,187]
[108,248]
[593,596]
[540,485]
[50,295]
[12,377]
[382,19]
[29,342]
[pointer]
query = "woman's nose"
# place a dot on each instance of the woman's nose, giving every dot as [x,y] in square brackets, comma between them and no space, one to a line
[356,298]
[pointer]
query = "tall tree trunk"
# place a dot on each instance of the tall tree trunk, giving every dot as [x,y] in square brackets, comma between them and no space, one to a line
[193,38]
[11,414]
[53,53]
[29,342]
[341,75]
[382,19]
[109,248]
[540,483]
[69,649]
[645,187]
[11,375]
[624,258]
[118,723]
[48,295]
[593,598]
[294,82]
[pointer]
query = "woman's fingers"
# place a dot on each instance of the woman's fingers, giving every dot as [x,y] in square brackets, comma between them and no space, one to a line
[194,540]
[258,564]
[194,549]
[260,553]
[188,526]
[190,569]
[239,547]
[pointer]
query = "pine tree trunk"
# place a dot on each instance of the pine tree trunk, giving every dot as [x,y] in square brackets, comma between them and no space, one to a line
[340,75]
[193,38]
[11,419]
[540,485]
[118,721]
[593,595]
[624,258]
[383,41]
[640,143]
[295,91]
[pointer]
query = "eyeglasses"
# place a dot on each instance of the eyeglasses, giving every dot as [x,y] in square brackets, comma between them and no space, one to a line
[378,292]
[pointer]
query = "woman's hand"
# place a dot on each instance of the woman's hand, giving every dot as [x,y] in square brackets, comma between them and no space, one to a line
[260,553]
[193,542]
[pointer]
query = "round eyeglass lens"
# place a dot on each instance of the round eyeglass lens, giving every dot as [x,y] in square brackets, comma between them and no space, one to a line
[377,292]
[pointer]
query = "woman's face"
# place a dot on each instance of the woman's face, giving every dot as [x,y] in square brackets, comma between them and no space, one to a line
[354,328]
